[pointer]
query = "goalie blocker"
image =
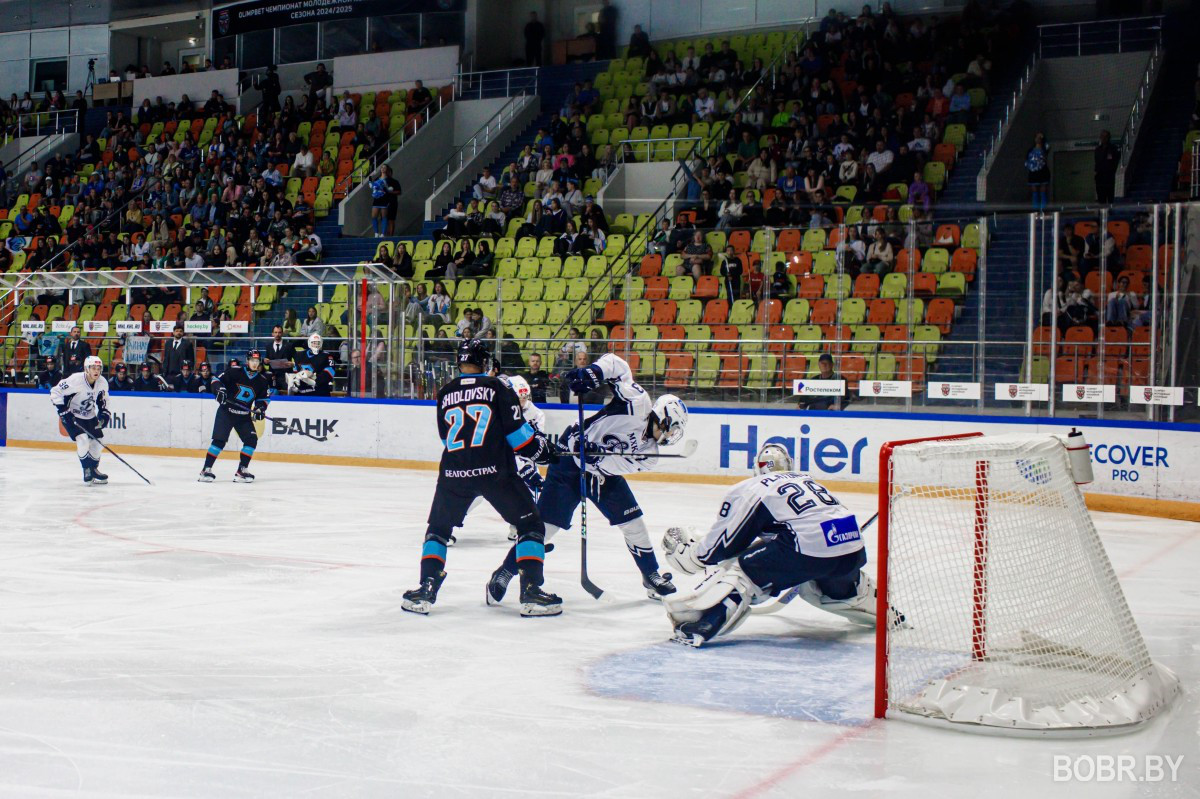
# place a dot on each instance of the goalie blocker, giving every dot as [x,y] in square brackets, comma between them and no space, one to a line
[777,530]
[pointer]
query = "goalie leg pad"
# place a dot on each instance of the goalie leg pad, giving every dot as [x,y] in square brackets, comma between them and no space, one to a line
[713,589]
[858,608]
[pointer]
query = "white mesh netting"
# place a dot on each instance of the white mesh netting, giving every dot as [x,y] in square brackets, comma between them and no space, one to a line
[1014,617]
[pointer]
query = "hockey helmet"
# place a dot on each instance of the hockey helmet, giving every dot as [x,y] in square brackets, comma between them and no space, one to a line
[772,458]
[91,361]
[315,342]
[474,351]
[520,386]
[671,415]
[251,356]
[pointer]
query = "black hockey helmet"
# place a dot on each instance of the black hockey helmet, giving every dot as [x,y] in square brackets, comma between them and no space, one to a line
[473,350]
[254,353]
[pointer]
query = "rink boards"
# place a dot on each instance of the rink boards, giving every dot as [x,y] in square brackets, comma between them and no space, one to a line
[1140,467]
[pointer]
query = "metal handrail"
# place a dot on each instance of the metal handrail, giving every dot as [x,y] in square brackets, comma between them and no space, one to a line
[1129,32]
[384,152]
[651,147]
[1138,113]
[1010,113]
[1195,192]
[480,138]
[34,124]
[473,85]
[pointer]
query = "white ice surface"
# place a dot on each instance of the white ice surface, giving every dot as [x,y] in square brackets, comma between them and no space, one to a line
[230,640]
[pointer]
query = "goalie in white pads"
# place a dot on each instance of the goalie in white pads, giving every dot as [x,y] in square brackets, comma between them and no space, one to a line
[81,400]
[777,530]
[628,431]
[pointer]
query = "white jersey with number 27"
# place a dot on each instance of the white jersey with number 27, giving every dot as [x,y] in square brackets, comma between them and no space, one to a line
[781,503]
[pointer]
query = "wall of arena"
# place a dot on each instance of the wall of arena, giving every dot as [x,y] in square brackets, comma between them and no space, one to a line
[1140,467]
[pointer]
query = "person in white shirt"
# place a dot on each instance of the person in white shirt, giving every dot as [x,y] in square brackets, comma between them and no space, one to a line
[191,259]
[705,105]
[691,60]
[303,165]
[485,187]
[881,159]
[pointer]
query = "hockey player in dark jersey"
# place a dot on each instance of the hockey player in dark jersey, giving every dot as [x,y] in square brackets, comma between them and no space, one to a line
[481,426]
[243,394]
[314,370]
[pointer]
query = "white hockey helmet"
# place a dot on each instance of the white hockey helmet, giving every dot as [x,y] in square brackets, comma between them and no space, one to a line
[772,458]
[519,385]
[671,415]
[91,361]
[314,342]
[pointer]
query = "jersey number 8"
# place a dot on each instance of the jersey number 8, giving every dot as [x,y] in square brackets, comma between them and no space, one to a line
[482,415]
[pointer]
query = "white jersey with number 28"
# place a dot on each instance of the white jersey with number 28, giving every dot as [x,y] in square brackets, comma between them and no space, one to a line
[782,503]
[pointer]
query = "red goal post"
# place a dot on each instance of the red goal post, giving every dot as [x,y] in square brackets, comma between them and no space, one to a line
[881,575]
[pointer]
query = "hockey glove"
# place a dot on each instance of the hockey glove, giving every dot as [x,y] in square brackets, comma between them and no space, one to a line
[679,548]
[584,379]
[103,417]
[259,411]
[541,450]
[222,395]
[64,412]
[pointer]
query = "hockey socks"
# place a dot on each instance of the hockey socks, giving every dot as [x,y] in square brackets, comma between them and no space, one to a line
[211,456]
[637,539]
[244,457]
[433,558]
[530,561]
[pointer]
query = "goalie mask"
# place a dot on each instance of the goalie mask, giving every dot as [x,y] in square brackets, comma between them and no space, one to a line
[772,458]
[314,343]
[669,415]
[254,360]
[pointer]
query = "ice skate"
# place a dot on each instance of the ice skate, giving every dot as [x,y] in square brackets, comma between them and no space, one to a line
[497,585]
[243,476]
[536,602]
[421,600]
[206,476]
[658,585]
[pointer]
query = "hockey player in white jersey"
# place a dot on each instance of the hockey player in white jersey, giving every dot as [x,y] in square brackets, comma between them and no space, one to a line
[625,435]
[777,530]
[81,400]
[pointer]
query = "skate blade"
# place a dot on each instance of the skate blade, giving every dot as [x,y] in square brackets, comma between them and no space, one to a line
[98,483]
[650,592]
[531,610]
[243,479]
[693,641]
[421,607]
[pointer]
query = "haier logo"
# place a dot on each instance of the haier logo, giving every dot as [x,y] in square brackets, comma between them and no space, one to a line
[826,455]
[299,427]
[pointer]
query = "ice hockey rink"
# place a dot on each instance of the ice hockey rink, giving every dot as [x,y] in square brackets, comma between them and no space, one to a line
[233,640]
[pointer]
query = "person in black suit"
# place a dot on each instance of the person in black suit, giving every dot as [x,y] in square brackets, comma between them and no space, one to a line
[175,352]
[280,356]
[72,352]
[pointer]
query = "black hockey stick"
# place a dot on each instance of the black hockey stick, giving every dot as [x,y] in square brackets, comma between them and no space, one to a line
[584,580]
[689,449]
[301,432]
[118,457]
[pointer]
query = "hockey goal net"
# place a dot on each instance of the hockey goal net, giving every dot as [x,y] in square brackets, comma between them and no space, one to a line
[1013,618]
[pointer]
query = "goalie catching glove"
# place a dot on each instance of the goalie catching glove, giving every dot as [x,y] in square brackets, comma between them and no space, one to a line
[679,548]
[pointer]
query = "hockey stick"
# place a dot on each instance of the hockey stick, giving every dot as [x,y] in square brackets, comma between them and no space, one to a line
[689,449]
[784,599]
[118,457]
[584,580]
[301,432]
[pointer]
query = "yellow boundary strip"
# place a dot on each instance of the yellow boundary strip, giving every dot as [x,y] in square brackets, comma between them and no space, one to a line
[1105,503]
